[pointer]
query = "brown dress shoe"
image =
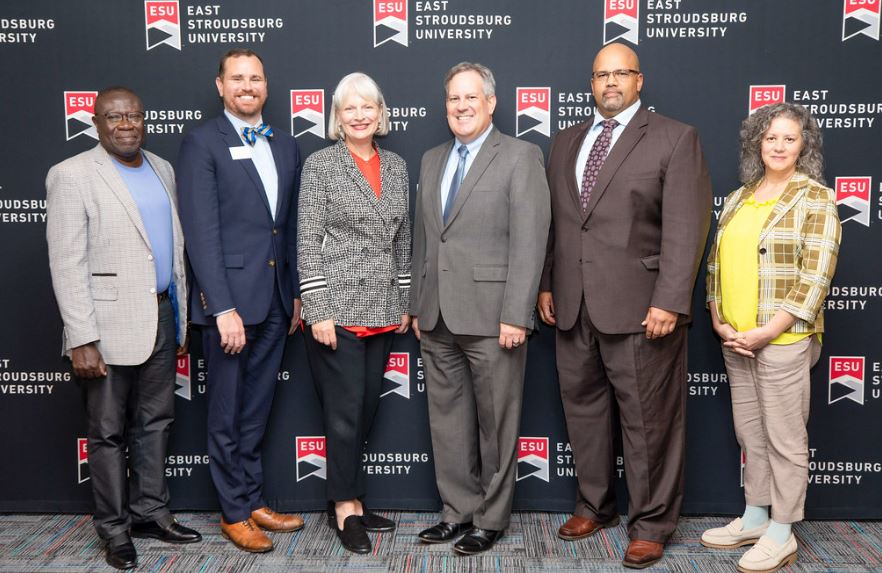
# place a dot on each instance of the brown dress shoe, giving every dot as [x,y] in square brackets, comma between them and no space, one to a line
[272,521]
[641,554]
[578,527]
[246,536]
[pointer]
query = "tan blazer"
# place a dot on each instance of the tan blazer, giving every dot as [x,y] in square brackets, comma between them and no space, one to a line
[483,266]
[100,258]
[639,244]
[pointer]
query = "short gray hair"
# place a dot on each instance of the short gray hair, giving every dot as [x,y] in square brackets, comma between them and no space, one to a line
[482,70]
[362,85]
[811,158]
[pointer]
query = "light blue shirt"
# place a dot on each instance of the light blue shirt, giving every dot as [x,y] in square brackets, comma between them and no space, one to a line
[263,161]
[152,200]
[453,159]
[623,117]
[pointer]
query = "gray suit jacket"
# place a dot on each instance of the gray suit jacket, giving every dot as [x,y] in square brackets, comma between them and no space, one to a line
[483,266]
[353,250]
[641,239]
[100,257]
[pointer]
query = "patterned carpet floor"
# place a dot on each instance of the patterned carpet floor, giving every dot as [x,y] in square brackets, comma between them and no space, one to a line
[68,544]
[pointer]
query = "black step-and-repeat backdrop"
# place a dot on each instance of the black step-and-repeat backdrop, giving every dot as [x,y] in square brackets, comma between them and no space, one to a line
[706,62]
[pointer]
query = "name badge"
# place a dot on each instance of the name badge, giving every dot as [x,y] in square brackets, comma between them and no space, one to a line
[241,152]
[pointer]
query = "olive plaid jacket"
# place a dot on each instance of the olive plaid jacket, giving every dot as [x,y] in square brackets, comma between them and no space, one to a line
[798,249]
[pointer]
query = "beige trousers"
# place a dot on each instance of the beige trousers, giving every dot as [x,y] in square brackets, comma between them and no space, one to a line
[770,408]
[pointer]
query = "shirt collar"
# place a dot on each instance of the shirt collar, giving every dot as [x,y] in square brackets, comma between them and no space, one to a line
[623,117]
[475,145]
[240,123]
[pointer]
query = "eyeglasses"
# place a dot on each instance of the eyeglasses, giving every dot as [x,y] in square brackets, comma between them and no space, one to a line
[134,117]
[620,75]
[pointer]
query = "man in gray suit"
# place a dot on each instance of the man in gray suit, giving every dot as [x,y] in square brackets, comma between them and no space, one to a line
[481,220]
[116,254]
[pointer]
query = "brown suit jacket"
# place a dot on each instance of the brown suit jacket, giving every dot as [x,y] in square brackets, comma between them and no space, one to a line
[640,241]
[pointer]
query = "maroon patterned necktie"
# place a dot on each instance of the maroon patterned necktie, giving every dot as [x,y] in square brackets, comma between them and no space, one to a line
[595,160]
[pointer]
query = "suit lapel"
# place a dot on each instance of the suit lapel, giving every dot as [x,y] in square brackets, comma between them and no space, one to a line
[384,205]
[572,155]
[280,160]
[176,226]
[632,134]
[107,171]
[436,174]
[485,156]
[232,139]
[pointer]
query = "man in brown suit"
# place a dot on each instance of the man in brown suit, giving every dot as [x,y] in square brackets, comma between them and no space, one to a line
[631,201]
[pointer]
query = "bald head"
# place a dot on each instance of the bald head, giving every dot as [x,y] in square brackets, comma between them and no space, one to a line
[616,91]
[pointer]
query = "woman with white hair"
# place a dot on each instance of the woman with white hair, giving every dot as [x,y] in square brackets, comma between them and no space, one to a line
[353,255]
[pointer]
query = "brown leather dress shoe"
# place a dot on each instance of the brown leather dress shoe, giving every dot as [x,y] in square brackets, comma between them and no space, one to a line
[246,536]
[272,521]
[641,554]
[578,527]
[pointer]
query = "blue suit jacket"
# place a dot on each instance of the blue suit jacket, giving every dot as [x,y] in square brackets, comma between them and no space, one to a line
[236,251]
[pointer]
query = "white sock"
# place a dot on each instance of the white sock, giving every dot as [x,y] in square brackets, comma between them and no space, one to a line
[779,532]
[754,516]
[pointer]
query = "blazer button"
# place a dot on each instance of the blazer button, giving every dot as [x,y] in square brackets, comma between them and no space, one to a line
[443,239]
[361,282]
[387,250]
[364,251]
[272,262]
[762,250]
[392,282]
[149,257]
[275,231]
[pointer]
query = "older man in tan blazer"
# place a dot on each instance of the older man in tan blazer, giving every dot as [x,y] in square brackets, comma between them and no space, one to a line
[631,202]
[481,220]
[116,253]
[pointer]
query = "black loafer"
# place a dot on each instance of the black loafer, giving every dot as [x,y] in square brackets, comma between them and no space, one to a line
[374,522]
[174,532]
[120,552]
[443,532]
[477,540]
[353,535]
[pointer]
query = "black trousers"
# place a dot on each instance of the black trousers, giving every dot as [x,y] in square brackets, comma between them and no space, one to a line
[349,382]
[132,407]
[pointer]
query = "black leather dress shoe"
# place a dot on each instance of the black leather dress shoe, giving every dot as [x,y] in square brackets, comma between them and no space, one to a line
[477,540]
[374,522]
[353,535]
[174,532]
[120,552]
[443,532]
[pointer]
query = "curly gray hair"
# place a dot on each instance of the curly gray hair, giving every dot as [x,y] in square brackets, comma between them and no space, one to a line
[811,158]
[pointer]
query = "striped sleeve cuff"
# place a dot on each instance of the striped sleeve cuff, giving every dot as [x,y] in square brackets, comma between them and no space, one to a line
[313,284]
[404,281]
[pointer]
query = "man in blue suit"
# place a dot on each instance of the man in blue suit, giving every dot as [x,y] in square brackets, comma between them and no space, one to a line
[237,185]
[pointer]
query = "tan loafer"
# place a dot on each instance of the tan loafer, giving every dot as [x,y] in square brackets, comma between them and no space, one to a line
[272,521]
[246,536]
[768,555]
[733,535]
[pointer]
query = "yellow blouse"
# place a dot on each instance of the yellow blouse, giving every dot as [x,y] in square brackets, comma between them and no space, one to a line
[739,268]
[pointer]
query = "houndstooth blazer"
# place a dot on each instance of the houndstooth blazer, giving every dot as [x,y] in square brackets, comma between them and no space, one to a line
[100,257]
[353,250]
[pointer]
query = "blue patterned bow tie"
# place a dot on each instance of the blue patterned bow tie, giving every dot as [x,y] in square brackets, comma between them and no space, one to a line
[251,133]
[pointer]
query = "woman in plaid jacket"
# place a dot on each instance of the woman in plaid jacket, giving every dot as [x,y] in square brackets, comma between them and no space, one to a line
[769,271]
[353,256]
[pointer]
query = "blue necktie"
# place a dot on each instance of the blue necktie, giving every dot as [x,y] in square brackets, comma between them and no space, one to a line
[251,133]
[457,181]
